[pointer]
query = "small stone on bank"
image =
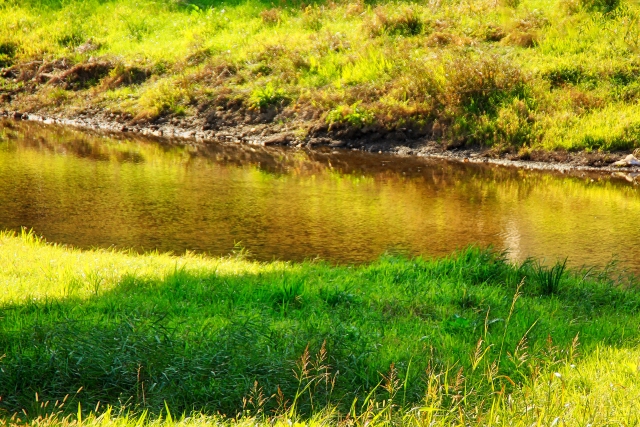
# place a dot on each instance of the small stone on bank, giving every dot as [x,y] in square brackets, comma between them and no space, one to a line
[279,138]
[630,160]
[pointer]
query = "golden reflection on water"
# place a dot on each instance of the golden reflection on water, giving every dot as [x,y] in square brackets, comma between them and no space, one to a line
[91,190]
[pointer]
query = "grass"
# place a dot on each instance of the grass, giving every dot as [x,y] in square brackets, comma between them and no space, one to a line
[103,337]
[511,74]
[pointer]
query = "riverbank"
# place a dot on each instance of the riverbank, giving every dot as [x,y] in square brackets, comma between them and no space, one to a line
[468,339]
[518,79]
[570,163]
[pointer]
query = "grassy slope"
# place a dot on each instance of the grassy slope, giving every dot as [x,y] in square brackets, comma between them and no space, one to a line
[516,74]
[456,337]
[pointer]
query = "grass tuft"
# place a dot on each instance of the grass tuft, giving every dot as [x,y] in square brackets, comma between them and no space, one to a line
[550,279]
[8,51]
[395,20]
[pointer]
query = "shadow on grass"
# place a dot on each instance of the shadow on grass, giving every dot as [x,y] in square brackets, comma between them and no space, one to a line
[224,343]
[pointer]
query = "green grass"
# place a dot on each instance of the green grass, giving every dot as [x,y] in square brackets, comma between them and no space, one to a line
[467,339]
[511,74]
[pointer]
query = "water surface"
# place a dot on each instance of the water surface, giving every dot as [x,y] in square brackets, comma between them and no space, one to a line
[90,190]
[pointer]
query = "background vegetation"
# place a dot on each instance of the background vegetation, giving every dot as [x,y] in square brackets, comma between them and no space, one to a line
[468,338]
[513,74]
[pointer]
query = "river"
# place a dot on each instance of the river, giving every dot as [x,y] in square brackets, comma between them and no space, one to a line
[92,190]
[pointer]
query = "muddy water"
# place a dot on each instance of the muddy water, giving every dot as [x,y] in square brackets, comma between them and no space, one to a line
[90,190]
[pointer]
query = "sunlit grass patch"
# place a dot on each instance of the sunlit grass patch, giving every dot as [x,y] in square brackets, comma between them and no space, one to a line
[147,332]
[615,127]
[450,71]
[354,115]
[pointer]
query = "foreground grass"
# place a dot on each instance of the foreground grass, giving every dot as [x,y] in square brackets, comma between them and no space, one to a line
[106,336]
[514,74]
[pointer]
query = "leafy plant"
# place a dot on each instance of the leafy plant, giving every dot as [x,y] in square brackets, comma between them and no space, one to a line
[263,97]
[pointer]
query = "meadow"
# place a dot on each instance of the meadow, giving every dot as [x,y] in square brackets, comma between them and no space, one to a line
[514,75]
[104,337]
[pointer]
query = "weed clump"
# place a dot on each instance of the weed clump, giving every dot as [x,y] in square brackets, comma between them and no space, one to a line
[481,86]
[271,16]
[354,115]
[492,33]
[602,6]
[71,39]
[122,75]
[565,74]
[441,39]
[522,39]
[267,96]
[82,76]
[550,279]
[8,51]
[162,98]
[485,100]
[354,9]
[312,18]
[525,32]
[398,21]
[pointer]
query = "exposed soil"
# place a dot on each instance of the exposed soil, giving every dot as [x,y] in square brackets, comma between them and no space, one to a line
[227,127]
